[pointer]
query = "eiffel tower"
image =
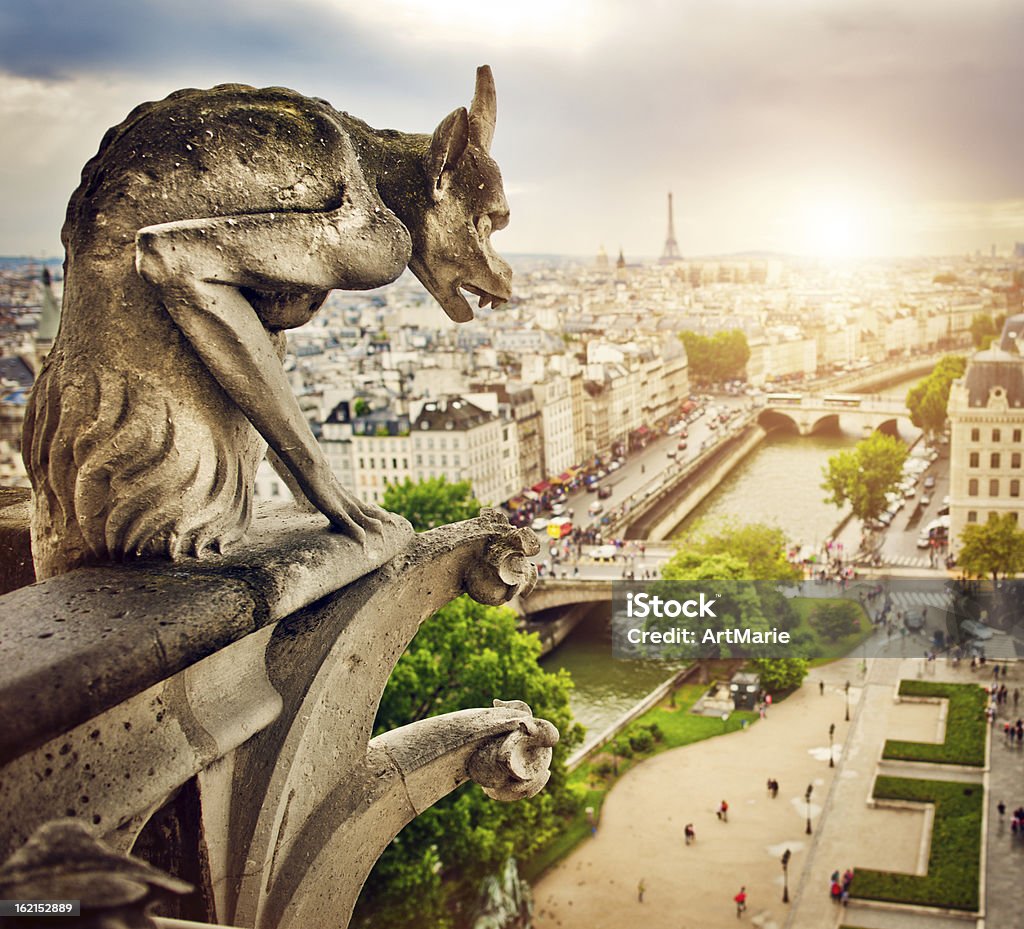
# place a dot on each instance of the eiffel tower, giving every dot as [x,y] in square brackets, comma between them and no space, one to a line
[671,250]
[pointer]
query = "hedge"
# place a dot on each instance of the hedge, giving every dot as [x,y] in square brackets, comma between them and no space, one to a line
[954,862]
[965,726]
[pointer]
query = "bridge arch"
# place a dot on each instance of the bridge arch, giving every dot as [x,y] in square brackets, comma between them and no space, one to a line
[776,419]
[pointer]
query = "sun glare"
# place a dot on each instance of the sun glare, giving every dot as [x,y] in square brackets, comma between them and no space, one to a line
[837,229]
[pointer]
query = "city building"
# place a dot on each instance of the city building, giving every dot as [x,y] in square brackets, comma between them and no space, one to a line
[986,416]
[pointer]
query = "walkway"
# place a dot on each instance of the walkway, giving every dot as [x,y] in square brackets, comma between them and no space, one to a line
[1004,893]
[640,836]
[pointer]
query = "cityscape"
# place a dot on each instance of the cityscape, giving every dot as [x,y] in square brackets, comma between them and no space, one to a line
[697,599]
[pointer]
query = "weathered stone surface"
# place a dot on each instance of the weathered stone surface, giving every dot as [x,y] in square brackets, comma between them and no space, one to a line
[263,690]
[15,545]
[207,225]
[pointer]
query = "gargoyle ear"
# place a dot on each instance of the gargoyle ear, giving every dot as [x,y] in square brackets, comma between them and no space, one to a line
[447,144]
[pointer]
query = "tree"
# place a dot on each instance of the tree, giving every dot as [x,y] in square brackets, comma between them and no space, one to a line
[760,549]
[983,330]
[836,620]
[716,358]
[928,398]
[465,656]
[432,502]
[864,474]
[995,548]
[781,673]
[735,557]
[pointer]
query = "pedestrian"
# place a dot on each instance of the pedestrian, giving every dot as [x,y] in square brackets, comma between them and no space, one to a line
[640,888]
[741,901]
[836,891]
[691,835]
[1016,697]
[723,812]
[821,688]
[775,788]
[1002,809]
[770,782]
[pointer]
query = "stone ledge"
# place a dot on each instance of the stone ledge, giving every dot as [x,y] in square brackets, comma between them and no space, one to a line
[75,645]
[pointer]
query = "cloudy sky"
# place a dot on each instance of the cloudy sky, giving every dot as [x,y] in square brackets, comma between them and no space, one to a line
[807,126]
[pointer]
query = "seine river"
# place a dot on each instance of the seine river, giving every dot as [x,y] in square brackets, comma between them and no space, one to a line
[779,484]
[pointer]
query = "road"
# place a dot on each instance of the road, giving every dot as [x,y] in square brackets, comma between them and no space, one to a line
[644,466]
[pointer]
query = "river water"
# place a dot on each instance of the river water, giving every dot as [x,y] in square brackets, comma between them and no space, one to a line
[779,483]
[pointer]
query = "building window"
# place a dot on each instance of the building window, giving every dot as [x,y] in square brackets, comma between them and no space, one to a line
[972,516]
[394,463]
[275,489]
[993,487]
[975,435]
[362,462]
[1016,435]
[975,459]
[419,461]
[1015,488]
[972,487]
[405,464]
[995,460]
[996,435]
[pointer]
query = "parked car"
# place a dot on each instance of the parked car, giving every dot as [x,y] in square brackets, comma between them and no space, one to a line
[671,453]
[604,493]
[604,553]
[929,482]
[558,509]
[540,524]
[593,487]
[681,445]
[596,508]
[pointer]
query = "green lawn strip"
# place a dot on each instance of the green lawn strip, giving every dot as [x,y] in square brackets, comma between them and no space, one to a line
[678,727]
[965,726]
[954,862]
[824,650]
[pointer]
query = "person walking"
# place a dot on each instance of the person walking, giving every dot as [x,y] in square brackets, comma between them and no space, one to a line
[691,835]
[723,812]
[640,888]
[741,901]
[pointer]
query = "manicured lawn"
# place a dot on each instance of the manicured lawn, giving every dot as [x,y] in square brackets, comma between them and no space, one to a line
[593,781]
[823,649]
[954,862]
[965,726]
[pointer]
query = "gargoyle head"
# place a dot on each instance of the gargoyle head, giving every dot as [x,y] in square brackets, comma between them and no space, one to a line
[452,249]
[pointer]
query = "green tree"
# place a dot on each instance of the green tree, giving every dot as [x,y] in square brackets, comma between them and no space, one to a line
[983,330]
[760,549]
[734,556]
[864,474]
[463,657]
[432,502]
[836,620]
[716,358]
[781,673]
[928,398]
[993,548]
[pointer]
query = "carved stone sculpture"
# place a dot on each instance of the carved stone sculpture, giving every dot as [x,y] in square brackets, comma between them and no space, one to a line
[62,861]
[207,225]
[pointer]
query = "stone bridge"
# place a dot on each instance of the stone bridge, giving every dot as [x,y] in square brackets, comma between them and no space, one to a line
[551,593]
[811,413]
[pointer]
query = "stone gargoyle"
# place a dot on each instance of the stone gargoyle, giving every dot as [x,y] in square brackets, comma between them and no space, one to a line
[207,225]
